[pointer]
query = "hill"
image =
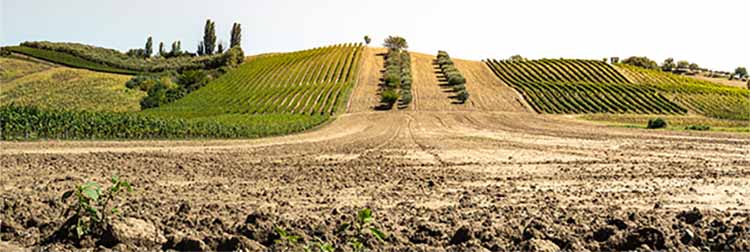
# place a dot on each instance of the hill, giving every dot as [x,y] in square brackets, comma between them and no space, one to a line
[312,82]
[700,96]
[580,86]
[50,87]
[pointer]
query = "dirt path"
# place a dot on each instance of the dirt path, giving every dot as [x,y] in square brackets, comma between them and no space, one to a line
[365,95]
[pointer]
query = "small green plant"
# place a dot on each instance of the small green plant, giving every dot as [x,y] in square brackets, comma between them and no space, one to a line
[362,226]
[320,245]
[657,123]
[90,210]
[389,97]
[698,127]
[285,237]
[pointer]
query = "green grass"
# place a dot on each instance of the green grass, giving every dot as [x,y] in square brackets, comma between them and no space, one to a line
[675,122]
[67,88]
[67,60]
[703,97]
[579,87]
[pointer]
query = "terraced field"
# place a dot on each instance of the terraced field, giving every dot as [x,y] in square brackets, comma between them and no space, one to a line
[310,82]
[51,87]
[701,96]
[580,86]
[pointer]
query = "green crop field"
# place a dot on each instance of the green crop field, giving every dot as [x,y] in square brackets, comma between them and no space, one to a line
[580,86]
[47,87]
[313,82]
[704,97]
[66,59]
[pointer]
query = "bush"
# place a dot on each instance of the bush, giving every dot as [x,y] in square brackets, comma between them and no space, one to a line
[4,51]
[462,96]
[698,127]
[459,88]
[406,97]
[389,97]
[643,62]
[456,80]
[657,123]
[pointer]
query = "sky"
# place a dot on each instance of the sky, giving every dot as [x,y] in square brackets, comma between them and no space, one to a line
[713,34]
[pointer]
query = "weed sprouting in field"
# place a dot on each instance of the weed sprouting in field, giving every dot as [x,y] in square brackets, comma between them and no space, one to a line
[90,211]
[362,227]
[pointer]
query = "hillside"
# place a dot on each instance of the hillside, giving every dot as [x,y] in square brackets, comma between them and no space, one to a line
[700,96]
[580,86]
[31,83]
[310,82]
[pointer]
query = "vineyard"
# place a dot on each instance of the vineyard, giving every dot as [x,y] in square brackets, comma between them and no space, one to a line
[704,97]
[311,82]
[580,86]
[35,84]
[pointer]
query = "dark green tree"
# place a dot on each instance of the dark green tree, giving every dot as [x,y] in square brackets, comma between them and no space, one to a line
[517,57]
[395,43]
[201,49]
[162,52]
[367,40]
[682,64]
[149,47]
[740,72]
[694,66]
[209,38]
[668,65]
[236,39]
[643,62]
[220,47]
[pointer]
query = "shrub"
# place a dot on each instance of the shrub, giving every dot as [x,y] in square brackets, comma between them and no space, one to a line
[456,80]
[459,88]
[4,51]
[462,96]
[698,127]
[406,97]
[657,123]
[389,97]
[643,62]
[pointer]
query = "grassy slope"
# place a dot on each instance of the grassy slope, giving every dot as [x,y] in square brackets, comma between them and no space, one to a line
[700,96]
[67,60]
[30,83]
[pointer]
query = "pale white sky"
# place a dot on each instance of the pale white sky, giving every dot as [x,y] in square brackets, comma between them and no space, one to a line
[713,34]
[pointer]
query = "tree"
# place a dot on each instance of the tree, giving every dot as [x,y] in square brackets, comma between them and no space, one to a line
[517,57]
[176,50]
[236,38]
[395,43]
[668,65]
[201,49]
[209,38]
[740,72]
[367,40]
[694,66]
[643,62]
[682,64]
[149,47]
[220,48]
[161,49]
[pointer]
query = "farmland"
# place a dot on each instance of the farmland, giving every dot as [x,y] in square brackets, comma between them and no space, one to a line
[513,168]
[311,82]
[580,86]
[703,97]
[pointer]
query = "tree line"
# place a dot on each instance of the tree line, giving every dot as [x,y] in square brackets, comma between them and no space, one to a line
[208,46]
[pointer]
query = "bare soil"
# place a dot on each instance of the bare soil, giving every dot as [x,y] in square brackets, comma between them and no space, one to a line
[469,180]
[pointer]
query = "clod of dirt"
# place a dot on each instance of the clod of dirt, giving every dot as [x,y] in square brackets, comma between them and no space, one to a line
[132,231]
[240,243]
[9,226]
[539,245]
[603,234]
[259,227]
[4,246]
[463,234]
[650,237]
[426,233]
[620,224]
[184,243]
[690,217]
[687,236]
